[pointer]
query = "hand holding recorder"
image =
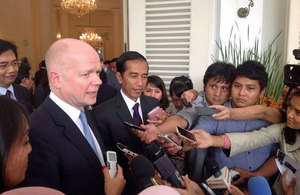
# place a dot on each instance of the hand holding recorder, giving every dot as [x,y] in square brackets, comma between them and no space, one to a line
[114,181]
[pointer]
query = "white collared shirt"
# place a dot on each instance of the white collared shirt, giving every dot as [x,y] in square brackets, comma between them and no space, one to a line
[130,103]
[74,113]
[12,92]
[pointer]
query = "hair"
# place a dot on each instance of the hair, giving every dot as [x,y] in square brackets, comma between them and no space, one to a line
[106,62]
[159,83]
[289,133]
[103,76]
[12,121]
[179,85]
[130,55]
[221,71]
[42,64]
[113,60]
[44,80]
[24,72]
[252,70]
[6,45]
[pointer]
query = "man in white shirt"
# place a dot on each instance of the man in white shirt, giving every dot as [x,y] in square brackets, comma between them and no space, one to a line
[132,73]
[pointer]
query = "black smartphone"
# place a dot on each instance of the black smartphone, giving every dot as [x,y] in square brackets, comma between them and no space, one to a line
[185,103]
[133,126]
[205,111]
[185,134]
[125,149]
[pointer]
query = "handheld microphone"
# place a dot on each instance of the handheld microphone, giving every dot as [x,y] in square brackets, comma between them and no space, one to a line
[162,163]
[259,185]
[143,172]
[221,178]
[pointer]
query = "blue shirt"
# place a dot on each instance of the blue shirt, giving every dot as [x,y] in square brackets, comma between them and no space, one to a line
[250,160]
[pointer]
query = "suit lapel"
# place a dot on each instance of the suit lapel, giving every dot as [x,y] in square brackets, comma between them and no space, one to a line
[73,134]
[147,106]
[144,109]
[122,108]
[125,115]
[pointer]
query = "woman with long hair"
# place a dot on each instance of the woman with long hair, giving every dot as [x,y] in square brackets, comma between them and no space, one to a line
[155,87]
[14,143]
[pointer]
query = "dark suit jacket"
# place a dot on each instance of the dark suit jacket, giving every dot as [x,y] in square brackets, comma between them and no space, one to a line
[105,92]
[61,157]
[110,115]
[23,96]
[112,79]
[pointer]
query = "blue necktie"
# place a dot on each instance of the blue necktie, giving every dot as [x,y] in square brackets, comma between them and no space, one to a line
[86,131]
[136,116]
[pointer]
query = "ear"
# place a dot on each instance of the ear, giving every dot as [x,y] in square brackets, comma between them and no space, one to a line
[23,80]
[262,93]
[119,77]
[55,79]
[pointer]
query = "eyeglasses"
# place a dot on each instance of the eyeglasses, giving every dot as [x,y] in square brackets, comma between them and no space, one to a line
[4,65]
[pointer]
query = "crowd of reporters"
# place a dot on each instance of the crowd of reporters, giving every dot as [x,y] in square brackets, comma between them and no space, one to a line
[62,156]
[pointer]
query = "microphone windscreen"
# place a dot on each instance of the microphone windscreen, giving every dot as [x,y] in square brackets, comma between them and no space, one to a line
[213,166]
[160,189]
[154,150]
[142,167]
[259,185]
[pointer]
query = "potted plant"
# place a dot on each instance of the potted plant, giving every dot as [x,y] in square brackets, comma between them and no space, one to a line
[232,51]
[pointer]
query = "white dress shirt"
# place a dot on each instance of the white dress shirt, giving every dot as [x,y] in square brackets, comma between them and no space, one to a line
[74,113]
[130,103]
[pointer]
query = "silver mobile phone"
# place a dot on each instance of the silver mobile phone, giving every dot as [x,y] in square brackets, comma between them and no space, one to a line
[125,149]
[166,138]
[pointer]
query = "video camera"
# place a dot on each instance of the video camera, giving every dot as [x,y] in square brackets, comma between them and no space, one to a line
[292,72]
[292,75]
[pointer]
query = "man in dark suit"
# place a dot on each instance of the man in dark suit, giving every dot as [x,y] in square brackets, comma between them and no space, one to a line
[132,72]
[68,153]
[111,76]
[9,67]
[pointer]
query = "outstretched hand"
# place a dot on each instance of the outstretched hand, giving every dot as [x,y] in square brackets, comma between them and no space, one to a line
[234,190]
[287,189]
[192,188]
[113,186]
[149,134]
[245,175]
[224,114]
[190,95]
[204,139]
[161,119]
[171,148]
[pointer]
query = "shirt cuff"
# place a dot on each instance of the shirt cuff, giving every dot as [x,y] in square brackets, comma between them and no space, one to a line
[227,143]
